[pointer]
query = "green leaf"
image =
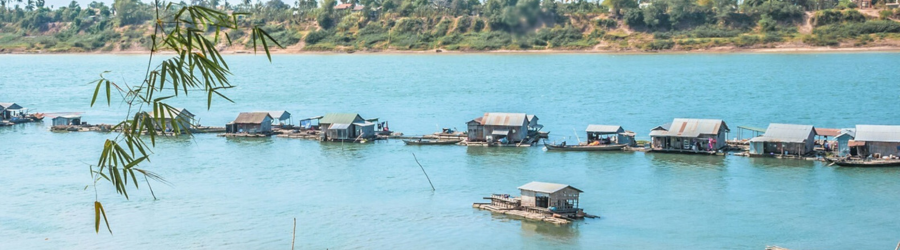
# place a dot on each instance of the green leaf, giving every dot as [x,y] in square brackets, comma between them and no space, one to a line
[98,211]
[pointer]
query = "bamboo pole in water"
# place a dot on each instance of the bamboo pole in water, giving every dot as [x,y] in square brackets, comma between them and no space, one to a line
[294,233]
[423,171]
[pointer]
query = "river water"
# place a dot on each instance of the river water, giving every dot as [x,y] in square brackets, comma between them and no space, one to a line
[244,193]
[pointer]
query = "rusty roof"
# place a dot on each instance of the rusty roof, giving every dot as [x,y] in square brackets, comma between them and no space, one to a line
[343,6]
[853,143]
[504,119]
[251,117]
[682,127]
[828,132]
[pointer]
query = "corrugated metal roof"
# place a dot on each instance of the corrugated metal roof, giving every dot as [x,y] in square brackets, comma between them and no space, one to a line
[853,143]
[682,127]
[364,124]
[345,118]
[500,132]
[251,117]
[778,132]
[10,105]
[828,132]
[879,133]
[280,115]
[504,119]
[175,113]
[339,126]
[68,117]
[610,129]
[544,187]
[847,131]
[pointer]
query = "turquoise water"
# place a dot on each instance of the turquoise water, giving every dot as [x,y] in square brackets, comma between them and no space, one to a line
[244,193]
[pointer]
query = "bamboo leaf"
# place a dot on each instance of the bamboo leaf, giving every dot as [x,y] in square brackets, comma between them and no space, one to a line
[96,91]
[98,210]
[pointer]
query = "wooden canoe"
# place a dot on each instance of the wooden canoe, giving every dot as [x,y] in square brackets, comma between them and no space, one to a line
[867,163]
[609,147]
[430,142]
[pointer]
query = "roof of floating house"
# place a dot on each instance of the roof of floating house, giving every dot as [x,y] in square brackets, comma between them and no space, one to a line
[280,115]
[761,130]
[339,126]
[9,105]
[174,113]
[877,133]
[828,132]
[691,128]
[608,129]
[778,132]
[544,187]
[847,131]
[504,119]
[251,117]
[345,118]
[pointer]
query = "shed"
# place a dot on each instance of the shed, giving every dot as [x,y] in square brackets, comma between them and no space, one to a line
[843,142]
[281,117]
[251,123]
[784,139]
[66,120]
[694,135]
[610,134]
[8,110]
[555,197]
[879,139]
[181,117]
[346,126]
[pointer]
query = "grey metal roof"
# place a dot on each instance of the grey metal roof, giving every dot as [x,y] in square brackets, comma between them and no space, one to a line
[778,132]
[500,132]
[280,115]
[609,129]
[10,105]
[504,119]
[345,118]
[251,117]
[175,112]
[682,127]
[339,126]
[364,124]
[68,117]
[847,131]
[878,133]
[544,187]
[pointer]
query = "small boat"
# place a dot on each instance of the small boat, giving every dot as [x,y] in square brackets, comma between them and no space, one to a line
[430,142]
[866,163]
[563,147]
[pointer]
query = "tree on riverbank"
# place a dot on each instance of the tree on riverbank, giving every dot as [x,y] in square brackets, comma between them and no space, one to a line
[462,24]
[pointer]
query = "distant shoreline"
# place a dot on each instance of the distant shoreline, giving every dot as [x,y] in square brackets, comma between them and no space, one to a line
[716,50]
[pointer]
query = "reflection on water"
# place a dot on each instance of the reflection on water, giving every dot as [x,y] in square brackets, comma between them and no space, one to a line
[686,160]
[561,233]
[769,162]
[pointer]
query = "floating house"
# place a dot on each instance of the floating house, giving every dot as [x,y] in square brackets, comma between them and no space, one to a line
[170,118]
[843,148]
[784,139]
[281,117]
[9,110]
[67,120]
[346,127]
[690,136]
[503,127]
[876,140]
[250,123]
[609,134]
[551,202]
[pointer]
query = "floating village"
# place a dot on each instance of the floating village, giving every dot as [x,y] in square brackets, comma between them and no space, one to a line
[860,146]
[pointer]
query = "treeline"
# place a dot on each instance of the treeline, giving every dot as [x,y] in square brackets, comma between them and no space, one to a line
[466,24]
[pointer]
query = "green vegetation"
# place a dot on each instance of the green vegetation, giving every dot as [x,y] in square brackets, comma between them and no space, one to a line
[373,25]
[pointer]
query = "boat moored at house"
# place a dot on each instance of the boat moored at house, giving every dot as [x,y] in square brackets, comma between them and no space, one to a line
[550,202]
[503,129]
[599,138]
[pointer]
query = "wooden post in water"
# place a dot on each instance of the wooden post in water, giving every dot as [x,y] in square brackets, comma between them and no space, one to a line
[423,171]
[294,233]
[898,246]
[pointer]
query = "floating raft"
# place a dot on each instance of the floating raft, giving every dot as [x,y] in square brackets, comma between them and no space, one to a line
[523,214]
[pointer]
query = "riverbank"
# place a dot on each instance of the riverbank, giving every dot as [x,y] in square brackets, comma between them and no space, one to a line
[715,50]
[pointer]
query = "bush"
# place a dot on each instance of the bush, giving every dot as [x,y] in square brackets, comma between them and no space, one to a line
[634,18]
[606,23]
[316,36]
[772,37]
[745,40]
[478,26]
[658,45]
[325,20]
[462,25]
[559,36]
[847,30]
[491,40]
